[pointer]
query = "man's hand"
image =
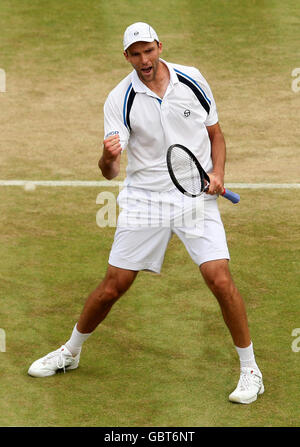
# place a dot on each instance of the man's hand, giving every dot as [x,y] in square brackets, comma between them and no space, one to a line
[111,148]
[109,163]
[216,184]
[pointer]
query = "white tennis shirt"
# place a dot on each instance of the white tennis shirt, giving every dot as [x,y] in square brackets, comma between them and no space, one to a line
[148,125]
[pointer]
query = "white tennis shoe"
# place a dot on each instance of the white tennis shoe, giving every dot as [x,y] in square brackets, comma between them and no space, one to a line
[59,360]
[248,388]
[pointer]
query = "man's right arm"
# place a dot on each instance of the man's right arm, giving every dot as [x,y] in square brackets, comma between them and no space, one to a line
[109,163]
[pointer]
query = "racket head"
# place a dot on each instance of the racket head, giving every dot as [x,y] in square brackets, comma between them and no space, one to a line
[186,172]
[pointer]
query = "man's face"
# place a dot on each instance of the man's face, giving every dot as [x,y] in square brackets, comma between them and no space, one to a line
[144,57]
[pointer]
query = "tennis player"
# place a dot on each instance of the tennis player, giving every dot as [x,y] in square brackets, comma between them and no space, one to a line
[156,105]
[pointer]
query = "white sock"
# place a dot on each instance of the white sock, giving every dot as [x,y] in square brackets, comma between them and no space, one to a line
[76,341]
[247,358]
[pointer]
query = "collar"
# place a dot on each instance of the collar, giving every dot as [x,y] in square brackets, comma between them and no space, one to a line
[140,87]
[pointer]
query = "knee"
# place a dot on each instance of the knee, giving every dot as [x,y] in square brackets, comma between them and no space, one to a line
[111,290]
[110,293]
[220,283]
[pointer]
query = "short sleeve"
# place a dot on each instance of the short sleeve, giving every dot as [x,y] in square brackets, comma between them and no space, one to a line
[212,117]
[113,122]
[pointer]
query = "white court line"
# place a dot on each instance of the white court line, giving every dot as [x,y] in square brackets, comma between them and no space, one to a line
[84,183]
[113,183]
[263,185]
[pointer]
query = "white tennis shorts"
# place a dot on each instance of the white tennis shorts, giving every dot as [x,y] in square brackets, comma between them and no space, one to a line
[148,220]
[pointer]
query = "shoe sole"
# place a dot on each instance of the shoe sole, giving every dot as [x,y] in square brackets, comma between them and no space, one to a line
[71,367]
[248,401]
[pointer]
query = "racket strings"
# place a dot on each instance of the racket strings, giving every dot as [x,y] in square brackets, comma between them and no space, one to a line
[186,172]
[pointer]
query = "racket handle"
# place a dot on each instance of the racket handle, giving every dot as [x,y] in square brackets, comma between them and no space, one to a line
[230,195]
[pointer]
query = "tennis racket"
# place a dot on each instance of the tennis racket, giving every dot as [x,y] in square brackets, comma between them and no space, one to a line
[188,175]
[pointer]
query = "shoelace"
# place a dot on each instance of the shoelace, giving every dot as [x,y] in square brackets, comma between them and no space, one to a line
[245,383]
[60,358]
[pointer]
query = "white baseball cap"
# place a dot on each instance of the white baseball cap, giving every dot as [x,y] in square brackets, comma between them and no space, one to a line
[139,32]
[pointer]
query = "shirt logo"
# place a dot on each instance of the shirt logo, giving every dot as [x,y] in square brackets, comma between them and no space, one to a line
[187,113]
[113,132]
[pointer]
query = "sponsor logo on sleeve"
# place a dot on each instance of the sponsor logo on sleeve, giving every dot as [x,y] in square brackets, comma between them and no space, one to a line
[113,132]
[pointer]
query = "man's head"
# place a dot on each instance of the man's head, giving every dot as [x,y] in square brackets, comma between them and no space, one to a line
[142,50]
[139,32]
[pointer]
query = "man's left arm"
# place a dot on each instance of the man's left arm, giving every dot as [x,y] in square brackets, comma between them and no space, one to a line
[218,155]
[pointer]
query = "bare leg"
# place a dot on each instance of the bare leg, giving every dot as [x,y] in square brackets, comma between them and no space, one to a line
[218,278]
[97,306]
[100,301]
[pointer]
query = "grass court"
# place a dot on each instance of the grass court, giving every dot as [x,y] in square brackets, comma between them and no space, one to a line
[163,356]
